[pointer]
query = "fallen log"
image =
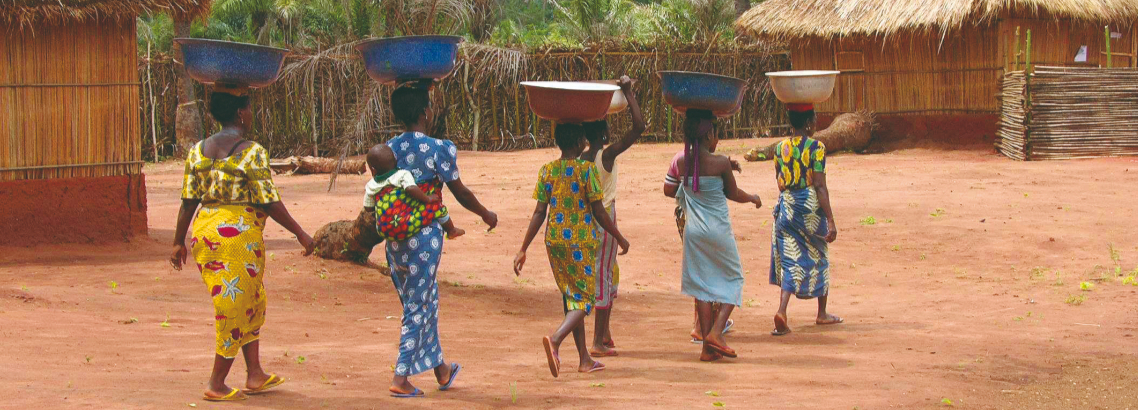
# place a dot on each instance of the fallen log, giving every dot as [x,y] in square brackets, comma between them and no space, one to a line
[317,165]
[350,241]
[851,131]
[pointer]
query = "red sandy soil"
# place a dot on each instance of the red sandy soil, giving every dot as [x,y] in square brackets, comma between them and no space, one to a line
[969,306]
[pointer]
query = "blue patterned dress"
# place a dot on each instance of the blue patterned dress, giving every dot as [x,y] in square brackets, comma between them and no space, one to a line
[799,262]
[415,261]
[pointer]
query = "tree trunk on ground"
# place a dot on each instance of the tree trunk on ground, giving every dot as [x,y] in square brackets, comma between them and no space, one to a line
[187,122]
[317,165]
[852,131]
[350,241]
[741,6]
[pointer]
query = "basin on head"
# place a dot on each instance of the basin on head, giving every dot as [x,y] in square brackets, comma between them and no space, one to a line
[722,95]
[229,64]
[570,102]
[619,101]
[393,59]
[804,86]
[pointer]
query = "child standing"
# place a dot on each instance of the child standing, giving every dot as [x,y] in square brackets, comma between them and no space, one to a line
[385,174]
[569,186]
[606,270]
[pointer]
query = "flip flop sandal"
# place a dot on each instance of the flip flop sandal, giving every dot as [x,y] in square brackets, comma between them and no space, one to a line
[414,394]
[609,353]
[727,327]
[776,331]
[554,361]
[711,356]
[610,344]
[725,351]
[272,382]
[597,366]
[454,368]
[835,321]
[234,395]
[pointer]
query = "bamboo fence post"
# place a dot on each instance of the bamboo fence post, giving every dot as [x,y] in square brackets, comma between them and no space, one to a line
[517,112]
[1027,54]
[1109,55]
[494,112]
[153,115]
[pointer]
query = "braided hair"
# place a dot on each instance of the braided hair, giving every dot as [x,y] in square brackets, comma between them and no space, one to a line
[697,125]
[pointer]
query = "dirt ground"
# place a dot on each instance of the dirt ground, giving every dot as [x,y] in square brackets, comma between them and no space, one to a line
[964,291]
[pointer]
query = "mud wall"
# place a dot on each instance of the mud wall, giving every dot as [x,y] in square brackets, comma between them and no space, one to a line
[72,210]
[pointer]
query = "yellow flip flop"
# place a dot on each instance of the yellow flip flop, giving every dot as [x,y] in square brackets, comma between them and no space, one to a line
[234,395]
[273,381]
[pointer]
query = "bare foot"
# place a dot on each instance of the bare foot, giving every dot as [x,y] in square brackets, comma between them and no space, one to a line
[709,355]
[457,232]
[405,388]
[829,319]
[780,326]
[442,373]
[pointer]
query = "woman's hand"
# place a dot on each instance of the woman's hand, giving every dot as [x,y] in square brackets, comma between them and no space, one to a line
[735,165]
[832,235]
[519,263]
[179,256]
[307,242]
[623,244]
[757,201]
[625,84]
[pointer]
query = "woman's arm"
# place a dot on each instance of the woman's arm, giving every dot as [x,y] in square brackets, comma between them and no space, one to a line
[670,190]
[185,215]
[467,199]
[535,223]
[824,200]
[279,213]
[733,192]
[606,223]
[608,158]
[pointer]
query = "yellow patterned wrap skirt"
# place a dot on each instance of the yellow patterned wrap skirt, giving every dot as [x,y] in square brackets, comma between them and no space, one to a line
[573,269]
[229,247]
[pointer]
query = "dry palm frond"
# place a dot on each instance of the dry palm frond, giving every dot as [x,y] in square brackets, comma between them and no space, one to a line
[501,64]
[421,17]
[841,18]
[24,13]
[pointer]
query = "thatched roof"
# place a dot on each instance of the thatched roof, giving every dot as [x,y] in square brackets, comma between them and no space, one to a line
[787,19]
[25,13]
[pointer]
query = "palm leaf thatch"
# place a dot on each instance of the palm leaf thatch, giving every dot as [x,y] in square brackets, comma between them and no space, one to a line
[25,13]
[830,19]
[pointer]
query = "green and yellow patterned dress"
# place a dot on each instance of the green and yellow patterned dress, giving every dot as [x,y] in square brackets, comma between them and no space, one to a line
[228,242]
[570,187]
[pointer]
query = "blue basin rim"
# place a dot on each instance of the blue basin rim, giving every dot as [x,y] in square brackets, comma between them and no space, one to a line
[232,63]
[439,38]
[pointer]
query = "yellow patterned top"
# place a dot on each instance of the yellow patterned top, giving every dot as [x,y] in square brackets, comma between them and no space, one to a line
[242,178]
[569,187]
[797,161]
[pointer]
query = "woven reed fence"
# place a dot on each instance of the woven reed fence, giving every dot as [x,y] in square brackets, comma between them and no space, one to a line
[67,107]
[326,105]
[1069,113]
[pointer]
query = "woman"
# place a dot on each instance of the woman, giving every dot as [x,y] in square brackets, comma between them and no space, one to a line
[414,262]
[712,272]
[606,270]
[803,220]
[230,178]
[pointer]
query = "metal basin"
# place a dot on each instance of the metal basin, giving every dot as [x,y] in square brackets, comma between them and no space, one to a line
[570,102]
[804,86]
[619,101]
[393,59]
[231,64]
[722,95]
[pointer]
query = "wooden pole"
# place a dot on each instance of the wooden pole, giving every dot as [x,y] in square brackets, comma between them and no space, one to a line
[1016,66]
[315,135]
[1109,56]
[1027,54]
[153,114]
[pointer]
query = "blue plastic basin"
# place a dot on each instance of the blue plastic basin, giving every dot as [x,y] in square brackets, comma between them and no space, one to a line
[409,58]
[232,64]
[722,95]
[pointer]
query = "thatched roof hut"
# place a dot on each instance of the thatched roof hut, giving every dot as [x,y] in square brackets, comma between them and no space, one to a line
[70,160]
[936,65]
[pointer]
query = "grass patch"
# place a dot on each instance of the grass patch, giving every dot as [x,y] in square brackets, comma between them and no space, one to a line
[869,220]
[939,212]
[1076,300]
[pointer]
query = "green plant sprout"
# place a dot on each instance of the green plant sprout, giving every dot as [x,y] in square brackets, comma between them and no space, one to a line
[1076,300]
[165,323]
[938,213]
[869,220]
